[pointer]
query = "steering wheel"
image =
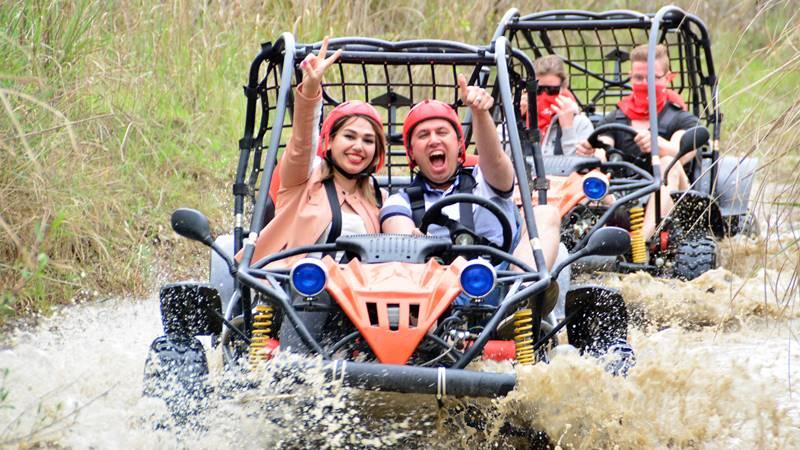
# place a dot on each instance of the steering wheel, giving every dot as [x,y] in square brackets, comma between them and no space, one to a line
[458,232]
[614,154]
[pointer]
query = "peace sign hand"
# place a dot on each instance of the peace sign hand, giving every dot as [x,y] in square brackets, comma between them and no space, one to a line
[314,66]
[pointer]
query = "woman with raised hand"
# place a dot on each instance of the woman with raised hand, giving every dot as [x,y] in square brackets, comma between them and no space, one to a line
[317,204]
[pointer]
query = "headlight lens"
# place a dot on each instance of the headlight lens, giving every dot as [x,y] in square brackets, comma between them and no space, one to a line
[478,278]
[308,277]
[595,187]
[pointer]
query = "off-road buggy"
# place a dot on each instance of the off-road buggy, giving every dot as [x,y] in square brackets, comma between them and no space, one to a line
[594,47]
[392,321]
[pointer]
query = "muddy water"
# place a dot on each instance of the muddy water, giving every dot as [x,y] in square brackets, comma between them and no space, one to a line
[718,367]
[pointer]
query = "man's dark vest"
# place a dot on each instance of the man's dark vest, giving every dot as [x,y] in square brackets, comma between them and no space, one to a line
[416,197]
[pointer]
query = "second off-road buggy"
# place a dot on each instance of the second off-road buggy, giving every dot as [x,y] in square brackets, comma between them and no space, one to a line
[391,320]
[594,47]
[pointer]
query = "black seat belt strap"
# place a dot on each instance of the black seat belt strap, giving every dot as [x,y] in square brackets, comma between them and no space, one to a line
[466,184]
[416,199]
[336,213]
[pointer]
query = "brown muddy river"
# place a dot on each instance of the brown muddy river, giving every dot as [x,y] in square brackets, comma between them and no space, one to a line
[718,367]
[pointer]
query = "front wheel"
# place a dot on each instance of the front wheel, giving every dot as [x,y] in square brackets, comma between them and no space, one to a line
[598,319]
[176,371]
[695,257]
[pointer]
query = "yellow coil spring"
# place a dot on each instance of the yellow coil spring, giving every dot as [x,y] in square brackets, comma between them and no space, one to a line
[262,329]
[523,336]
[638,248]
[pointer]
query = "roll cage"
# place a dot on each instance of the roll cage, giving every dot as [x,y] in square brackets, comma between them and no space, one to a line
[392,76]
[594,46]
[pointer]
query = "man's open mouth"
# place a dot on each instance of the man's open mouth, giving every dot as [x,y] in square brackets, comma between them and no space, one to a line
[437,159]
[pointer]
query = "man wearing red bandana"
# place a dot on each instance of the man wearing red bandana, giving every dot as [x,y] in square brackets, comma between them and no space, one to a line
[673,121]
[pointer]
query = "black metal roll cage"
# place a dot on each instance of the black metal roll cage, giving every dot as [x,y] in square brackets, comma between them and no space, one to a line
[283,58]
[699,75]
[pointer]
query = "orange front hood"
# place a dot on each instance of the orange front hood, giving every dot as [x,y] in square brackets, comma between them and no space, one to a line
[421,292]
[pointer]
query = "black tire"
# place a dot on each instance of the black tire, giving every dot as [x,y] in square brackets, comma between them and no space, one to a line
[176,370]
[694,257]
[599,319]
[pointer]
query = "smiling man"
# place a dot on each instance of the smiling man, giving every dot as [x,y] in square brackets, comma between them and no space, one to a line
[434,142]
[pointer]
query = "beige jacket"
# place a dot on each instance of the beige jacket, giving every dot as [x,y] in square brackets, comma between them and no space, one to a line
[302,213]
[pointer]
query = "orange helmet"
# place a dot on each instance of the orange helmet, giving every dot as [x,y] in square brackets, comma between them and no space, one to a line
[432,109]
[349,108]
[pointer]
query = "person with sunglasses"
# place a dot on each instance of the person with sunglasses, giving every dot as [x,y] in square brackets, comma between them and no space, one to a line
[560,121]
[673,121]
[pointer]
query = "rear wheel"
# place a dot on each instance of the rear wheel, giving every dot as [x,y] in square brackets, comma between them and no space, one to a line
[695,257]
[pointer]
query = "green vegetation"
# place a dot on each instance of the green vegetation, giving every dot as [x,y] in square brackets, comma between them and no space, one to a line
[113,114]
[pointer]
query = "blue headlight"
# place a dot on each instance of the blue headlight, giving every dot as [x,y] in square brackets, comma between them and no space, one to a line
[595,187]
[478,278]
[308,277]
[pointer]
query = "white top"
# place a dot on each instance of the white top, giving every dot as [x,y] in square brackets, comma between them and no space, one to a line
[351,224]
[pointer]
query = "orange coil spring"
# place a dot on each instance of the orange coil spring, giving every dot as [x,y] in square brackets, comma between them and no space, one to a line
[523,336]
[638,247]
[262,329]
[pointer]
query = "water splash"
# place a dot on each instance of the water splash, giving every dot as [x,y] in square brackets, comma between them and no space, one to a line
[75,380]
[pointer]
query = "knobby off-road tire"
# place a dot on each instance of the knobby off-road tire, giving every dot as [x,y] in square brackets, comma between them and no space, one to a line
[176,370]
[599,319]
[695,257]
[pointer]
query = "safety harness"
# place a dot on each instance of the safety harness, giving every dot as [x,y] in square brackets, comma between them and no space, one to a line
[465,183]
[336,208]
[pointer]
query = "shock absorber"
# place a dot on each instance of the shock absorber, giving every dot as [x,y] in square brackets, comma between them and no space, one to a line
[262,331]
[523,336]
[638,248]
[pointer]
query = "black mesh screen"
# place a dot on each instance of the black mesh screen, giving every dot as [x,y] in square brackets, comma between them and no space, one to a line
[595,48]
[393,76]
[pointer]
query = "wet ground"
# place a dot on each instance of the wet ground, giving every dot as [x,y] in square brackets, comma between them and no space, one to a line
[718,367]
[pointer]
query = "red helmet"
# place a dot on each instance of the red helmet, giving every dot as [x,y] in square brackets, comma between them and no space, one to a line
[349,108]
[432,109]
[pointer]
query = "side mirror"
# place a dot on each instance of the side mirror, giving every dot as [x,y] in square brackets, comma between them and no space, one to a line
[693,138]
[192,224]
[608,241]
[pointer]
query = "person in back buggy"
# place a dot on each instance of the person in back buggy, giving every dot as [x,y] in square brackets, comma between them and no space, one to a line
[434,143]
[673,121]
[560,121]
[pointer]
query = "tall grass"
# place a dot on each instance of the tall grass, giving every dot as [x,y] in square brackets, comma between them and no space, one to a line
[115,113]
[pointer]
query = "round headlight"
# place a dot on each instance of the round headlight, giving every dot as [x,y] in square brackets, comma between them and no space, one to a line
[595,187]
[478,278]
[308,277]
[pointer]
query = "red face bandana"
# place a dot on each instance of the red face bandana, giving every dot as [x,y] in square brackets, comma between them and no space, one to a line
[634,106]
[544,112]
